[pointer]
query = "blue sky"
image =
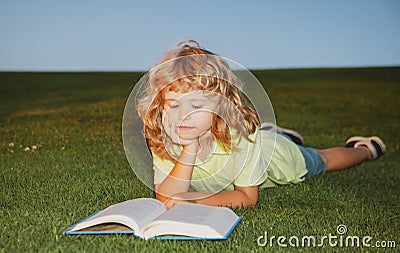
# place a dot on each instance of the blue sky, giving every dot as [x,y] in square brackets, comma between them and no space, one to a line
[79,35]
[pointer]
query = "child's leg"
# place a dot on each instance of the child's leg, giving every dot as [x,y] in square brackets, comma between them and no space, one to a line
[358,150]
[340,158]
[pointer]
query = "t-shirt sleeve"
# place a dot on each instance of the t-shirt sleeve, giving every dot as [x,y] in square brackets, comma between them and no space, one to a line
[162,168]
[250,165]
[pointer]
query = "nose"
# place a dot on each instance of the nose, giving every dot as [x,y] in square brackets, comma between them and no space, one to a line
[184,112]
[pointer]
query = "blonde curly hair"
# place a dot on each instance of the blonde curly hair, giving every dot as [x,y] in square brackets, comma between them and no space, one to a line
[187,68]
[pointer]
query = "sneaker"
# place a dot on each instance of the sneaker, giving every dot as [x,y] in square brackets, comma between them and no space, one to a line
[295,136]
[373,143]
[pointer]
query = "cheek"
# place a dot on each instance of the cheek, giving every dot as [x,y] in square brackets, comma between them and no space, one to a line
[206,119]
[169,114]
[172,115]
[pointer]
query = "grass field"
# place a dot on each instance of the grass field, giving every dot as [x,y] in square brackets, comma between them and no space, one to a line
[61,158]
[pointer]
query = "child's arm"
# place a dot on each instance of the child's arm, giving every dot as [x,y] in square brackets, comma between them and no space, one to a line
[174,188]
[241,196]
[178,180]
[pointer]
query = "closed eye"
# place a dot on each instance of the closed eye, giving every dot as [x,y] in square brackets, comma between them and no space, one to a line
[171,105]
[197,106]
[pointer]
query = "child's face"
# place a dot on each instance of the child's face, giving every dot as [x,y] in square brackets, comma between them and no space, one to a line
[189,114]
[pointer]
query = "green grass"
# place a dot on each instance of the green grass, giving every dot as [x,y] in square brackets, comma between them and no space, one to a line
[79,166]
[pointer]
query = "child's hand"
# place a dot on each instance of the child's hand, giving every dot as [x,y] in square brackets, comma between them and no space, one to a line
[171,130]
[175,200]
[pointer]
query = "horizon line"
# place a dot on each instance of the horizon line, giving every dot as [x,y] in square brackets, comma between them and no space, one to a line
[143,71]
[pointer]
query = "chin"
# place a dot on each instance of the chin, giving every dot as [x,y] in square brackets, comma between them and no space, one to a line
[188,136]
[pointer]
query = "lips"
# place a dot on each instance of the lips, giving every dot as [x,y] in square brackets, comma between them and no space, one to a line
[185,128]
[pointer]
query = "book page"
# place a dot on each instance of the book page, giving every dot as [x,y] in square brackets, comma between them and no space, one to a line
[185,219]
[134,213]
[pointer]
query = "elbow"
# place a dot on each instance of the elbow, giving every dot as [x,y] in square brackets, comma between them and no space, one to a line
[254,199]
[246,202]
[161,197]
[250,196]
[252,202]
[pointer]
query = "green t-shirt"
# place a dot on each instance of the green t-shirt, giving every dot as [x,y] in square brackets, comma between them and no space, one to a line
[269,160]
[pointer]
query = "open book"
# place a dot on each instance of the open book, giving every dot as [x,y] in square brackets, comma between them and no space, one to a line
[148,218]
